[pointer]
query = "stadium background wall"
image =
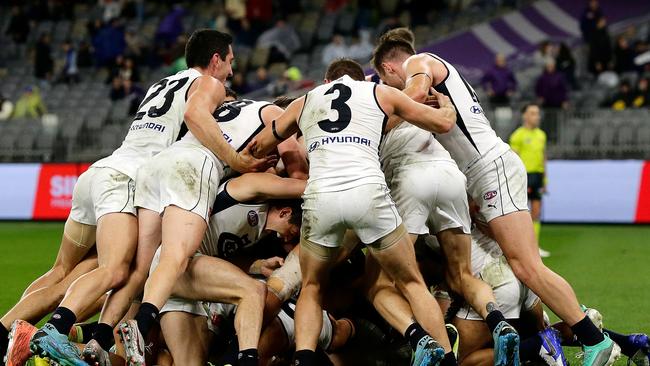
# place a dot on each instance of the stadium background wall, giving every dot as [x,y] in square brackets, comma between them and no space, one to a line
[579,191]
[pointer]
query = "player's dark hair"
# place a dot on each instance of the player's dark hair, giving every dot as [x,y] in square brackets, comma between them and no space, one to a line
[296,209]
[391,44]
[204,43]
[528,105]
[345,66]
[231,93]
[283,101]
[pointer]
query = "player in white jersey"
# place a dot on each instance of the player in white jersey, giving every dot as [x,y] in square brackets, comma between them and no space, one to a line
[496,180]
[104,196]
[429,192]
[342,124]
[176,192]
[241,215]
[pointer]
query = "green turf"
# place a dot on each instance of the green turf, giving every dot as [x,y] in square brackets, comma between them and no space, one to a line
[607,266]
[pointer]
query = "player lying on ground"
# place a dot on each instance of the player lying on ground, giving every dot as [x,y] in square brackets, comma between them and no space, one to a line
[496,179]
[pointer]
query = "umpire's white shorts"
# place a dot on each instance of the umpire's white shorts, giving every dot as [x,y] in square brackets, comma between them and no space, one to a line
[183,176]
[512,296]
[431,197]
[368,210]
[499,187]
[100,191]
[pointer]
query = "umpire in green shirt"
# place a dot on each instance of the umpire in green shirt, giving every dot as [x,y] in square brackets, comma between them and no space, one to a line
[529,141]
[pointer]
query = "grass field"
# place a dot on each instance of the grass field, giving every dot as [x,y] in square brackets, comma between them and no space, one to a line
[607,266]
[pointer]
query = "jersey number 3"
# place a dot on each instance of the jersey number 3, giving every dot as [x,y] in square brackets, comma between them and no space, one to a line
[155,111]
[338,104]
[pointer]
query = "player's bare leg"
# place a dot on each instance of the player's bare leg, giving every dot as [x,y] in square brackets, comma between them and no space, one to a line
[397,259]
[76,242]
[187,337]
[475,343]
[272,341]
[315,262]
[120,300]
[456,246]
[395,309]
[216,280]
[516,237]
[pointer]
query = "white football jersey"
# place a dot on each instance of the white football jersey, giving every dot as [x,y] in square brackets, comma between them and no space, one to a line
[407,144]
[233,225]
[239,121]
[472,139]
[342,124]
[157,124]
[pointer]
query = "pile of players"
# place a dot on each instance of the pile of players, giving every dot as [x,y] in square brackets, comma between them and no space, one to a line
[364,223]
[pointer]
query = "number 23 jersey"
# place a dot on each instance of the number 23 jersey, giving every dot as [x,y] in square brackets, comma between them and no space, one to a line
[156,125]
[342,124]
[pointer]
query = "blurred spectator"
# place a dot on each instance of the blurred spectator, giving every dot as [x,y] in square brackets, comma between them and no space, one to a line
[544,54]
[117,89]
[259,13]
[43,63]
[29,105]
[642,94]
[623,56]
[85,54]
[361,48]
[129,71]
[566,64]
[110,9]
[261,79]
[109,43]
[386,25]
[133,43]
[600,48]
[179,64]
[134,94]
[589,19]
[282,39]
[18,28]
[6,108]
[499,82]
[171,26]
[334,50]
[70,71]
[246,36]
[551,88]
[624,98]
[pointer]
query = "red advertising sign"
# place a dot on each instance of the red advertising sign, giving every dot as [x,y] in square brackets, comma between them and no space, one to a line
[54,190]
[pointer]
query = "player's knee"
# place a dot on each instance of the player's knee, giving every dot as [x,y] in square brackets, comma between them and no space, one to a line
[252,289]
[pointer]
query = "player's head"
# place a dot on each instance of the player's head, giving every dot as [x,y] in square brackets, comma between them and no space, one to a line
[230,95]
[531,115]
[284,218]
[344,66]
[283,101]
[393,48]
[211,51]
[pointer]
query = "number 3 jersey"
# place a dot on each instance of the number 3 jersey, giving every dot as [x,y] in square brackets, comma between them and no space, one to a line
[234,225]
[156,125]
[342,124]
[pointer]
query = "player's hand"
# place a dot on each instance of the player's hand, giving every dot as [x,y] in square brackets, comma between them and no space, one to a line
[432,101]
[246,162]
[269,265]
[443,100]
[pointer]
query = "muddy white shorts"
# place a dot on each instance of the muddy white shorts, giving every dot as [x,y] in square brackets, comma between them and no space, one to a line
[368,209]
[431,197]
[100,191]
[512,296]
[183,176]
[499,187]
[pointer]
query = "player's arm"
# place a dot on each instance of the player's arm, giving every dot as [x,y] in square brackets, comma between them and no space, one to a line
[208,93]
[438,120]
[265,186]
[419,76]
[293,155]
[279,130]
